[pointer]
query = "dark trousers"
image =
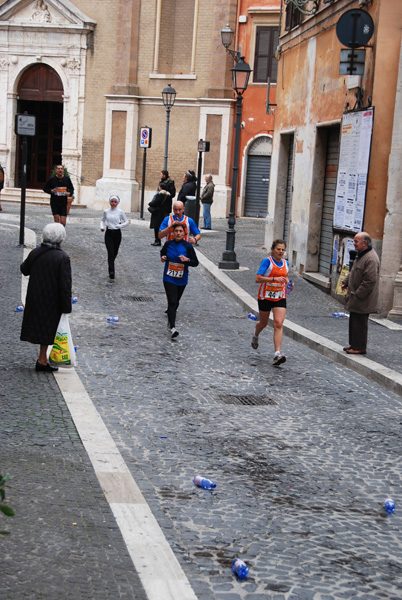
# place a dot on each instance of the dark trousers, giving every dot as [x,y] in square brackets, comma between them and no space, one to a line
[156,233]
[112,242]
[358,330]
[173,295]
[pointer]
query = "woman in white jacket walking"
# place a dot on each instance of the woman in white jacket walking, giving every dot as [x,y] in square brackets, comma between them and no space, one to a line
[113,221]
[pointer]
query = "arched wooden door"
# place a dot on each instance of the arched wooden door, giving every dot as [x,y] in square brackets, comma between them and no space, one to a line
[40,93]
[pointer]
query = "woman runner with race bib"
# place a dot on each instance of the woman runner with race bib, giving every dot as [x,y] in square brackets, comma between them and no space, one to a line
[273,279]
[178,255]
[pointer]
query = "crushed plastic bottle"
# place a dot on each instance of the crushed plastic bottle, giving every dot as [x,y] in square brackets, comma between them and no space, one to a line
[206,484]
[289,287]
[19,309]
[240,568]
[338,315]
[113,319]
[389,506]
[74,299]
[252,316]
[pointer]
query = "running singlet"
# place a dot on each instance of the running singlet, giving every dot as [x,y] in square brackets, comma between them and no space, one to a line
[185,224]
[272,290]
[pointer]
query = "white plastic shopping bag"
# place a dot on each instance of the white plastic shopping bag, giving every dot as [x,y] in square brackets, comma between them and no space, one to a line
[62,353]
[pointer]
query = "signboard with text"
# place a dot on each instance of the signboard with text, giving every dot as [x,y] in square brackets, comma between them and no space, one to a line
[354,158]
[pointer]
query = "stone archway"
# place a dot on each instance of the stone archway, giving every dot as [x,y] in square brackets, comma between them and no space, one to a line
[40,93]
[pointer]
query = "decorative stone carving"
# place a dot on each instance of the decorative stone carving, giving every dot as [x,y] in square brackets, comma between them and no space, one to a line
[73,64]
[3,61]
[41,13]
[396,310]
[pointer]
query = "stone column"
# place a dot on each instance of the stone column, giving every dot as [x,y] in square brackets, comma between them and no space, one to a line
[391,258]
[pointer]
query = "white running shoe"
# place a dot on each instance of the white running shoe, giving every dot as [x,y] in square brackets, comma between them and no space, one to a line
[174,333]
[254,342]
[279,359]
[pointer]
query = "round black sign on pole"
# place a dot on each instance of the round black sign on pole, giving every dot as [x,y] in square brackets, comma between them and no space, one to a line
[355,28]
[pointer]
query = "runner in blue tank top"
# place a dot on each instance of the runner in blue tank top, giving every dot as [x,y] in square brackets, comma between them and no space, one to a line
[178,255]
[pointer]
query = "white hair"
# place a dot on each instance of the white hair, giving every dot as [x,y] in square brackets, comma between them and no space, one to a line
[54,233]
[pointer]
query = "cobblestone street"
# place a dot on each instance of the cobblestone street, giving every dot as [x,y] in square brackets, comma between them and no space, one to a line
[303,455]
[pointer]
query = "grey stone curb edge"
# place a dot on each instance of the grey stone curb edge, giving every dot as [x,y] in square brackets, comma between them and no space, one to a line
[387,378]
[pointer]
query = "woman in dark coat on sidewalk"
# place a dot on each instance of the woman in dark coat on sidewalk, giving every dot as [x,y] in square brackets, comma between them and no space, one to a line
[49,292]
[160,207]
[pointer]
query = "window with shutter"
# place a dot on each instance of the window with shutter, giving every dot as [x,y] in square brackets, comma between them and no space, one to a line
[293,17]
[265,63]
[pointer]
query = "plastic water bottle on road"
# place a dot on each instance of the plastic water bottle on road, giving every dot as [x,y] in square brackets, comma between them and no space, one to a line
[19,309]
[389,506]
[240,568]
[206,484]
[74,299]
[113,319]
[338,315]
[252,316]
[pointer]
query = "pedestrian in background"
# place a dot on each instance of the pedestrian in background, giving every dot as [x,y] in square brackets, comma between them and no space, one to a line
[169,182]
[189,187]
[362,285]
[59,186]
[178,255]
[48,294]
[273,279]
[207,197]
[113,221]
[159,207]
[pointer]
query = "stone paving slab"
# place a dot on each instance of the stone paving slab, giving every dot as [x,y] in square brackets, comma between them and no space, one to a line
[64,542]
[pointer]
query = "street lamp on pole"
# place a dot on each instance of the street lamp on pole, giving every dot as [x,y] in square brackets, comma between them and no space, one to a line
[168,97]
[241,74]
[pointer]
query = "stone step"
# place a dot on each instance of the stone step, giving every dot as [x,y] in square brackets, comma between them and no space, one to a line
[31,197]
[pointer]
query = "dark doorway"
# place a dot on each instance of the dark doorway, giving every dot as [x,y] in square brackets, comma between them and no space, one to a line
[40,93]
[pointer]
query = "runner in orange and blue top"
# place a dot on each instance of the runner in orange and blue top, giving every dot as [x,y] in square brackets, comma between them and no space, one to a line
[273,279]
[191,232]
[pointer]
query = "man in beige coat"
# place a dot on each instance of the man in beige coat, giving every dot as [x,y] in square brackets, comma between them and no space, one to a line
[362,286]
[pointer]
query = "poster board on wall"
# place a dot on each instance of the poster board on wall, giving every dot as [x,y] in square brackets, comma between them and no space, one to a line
[354,159]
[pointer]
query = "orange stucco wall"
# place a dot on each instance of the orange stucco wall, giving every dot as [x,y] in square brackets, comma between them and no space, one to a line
[311,91]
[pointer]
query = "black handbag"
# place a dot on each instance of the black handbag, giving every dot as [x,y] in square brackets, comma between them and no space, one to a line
[152,209]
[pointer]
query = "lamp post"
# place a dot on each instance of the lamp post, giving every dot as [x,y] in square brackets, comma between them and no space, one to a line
[241,73]
[168,97]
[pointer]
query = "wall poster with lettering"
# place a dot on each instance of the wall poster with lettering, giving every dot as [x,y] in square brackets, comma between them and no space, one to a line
[354,158]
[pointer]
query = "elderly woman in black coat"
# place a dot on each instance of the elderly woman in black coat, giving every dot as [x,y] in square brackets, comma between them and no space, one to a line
[49,292]
[159,207]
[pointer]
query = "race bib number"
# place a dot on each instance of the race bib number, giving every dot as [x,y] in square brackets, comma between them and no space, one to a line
[61,191]
[273,292]
[175,270]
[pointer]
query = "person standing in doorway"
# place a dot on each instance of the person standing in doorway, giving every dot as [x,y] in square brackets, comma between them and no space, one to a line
[273,279]
[113,221]
[59,186]
[207,197]
[362,285]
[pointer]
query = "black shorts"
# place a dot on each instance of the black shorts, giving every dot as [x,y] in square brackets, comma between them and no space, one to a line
[266,305]
[59,205]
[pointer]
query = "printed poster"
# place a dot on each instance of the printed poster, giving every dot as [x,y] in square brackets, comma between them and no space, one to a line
[354,158]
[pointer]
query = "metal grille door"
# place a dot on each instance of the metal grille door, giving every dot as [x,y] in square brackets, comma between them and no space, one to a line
[331,170]
[289,181]
[257,185]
